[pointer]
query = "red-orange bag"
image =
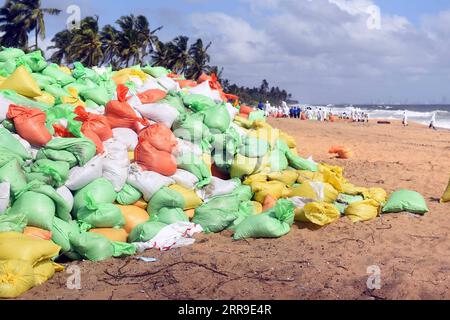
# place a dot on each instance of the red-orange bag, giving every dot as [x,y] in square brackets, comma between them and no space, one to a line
[160,137]
[95,123]
[30,124]
[269,203]
[151,95]
[216,172]
[243,115]
[61,131]
[187,83]
[120,114]
[152,159]
[91,135]
[246,109]
[37,233]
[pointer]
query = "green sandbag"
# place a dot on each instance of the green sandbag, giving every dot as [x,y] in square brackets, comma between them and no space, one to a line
[42,80]
[299,163]
[100,191]
[198,102]
[278,161]
[39,209]
[217,214]
[96,247]
[406,200]
[170,216]
[83,149]
[57,155]
[217,118]
[56,90]
[13,173]
[165,198]
[8,141]
[57,171]
[257,115]
[34,61]
[128,195]
[8,67]
[89,104]
[13,222]
[190,127]
[246,209]
[10,53]
[174,100]
[22,101]
[7,156]
[81,72]
[8,124]
[99,95]
[102,215]
[274,223]
[253,148]
[61,231]
[157,72]
[145,231]
[243,192]
[197,167]
[344,200]
[78,86]
[60,77]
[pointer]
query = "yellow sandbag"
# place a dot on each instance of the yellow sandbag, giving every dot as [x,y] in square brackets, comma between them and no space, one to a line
[333,178]
[17,246]
[124,75]
[294,151]
[141,204]
[377,194]
[131,155]
[257,207]
[16,277]
[2,79]
[289,140]
[243,166]
[190,213]
[288,177]
[133,215]
[191,199]
[318,191]
[21,82]
[350,189]
[276,189]
[208,161]
[339,171]
[268,134]
[46,98]
[446,196]
[259,177]
[65,70]
[304,175]
[242,122]
[319,213]
[73,99]
[362,210]
[45,270]
[115,235]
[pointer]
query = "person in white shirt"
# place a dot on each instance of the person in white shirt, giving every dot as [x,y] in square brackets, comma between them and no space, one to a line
[267,109]
[405,119]
[433,121]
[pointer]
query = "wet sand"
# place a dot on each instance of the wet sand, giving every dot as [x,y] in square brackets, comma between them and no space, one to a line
[411,252]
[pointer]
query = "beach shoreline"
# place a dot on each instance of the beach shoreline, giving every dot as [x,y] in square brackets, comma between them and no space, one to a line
[332,262]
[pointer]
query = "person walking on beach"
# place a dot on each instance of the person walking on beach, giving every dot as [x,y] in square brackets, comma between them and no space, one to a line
[260,106]
[433,121]
[405,119]
[267,108]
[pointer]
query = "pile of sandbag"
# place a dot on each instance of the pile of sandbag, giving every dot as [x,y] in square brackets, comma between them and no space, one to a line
[96,163]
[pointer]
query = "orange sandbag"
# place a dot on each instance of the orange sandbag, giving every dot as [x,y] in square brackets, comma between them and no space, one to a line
[269,203]
[37,233]
[141,204]
[115,235]
[151,95]
[342,152]
[187,83]
[30,124]
[190,213]
[246,109]
[332,118]
[120,114]
[160,137]
[203,77]
[91,135]
[243,115]
[133,216]
[152,159]
[95,122]
[303,116]
[61,131]
[216,172]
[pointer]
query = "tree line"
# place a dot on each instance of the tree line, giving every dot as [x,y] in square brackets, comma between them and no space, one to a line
[130,41]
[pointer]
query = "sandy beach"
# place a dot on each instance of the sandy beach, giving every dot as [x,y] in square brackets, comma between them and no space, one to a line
[412,252]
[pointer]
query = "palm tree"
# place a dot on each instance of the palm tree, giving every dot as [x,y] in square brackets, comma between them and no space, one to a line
[199,59]
[179,59]
[109,37]
[26,15]
[160,55]
[61,42]
[14,29]
[86,45]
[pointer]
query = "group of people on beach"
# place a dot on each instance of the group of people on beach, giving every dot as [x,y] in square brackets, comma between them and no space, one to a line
[432,124]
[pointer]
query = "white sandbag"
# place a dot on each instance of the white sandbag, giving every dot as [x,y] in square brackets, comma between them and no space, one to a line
[80,177]
[205,90]
[187,147]
[185,178]
[168,83]
[137,81]
[241,132]
[100,110]
[232,110]
[5,188]
[150,83]
[126,136]
[300,202]
[65,193]
[4,106]
[34,151]
[159,112]
[116,163]
[23,142]
[134,101]
[217,187]
[147,182]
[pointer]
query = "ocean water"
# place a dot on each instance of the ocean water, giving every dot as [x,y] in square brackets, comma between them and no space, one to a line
[416,113]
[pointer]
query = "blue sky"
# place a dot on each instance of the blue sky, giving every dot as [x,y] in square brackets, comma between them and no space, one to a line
[320,50]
